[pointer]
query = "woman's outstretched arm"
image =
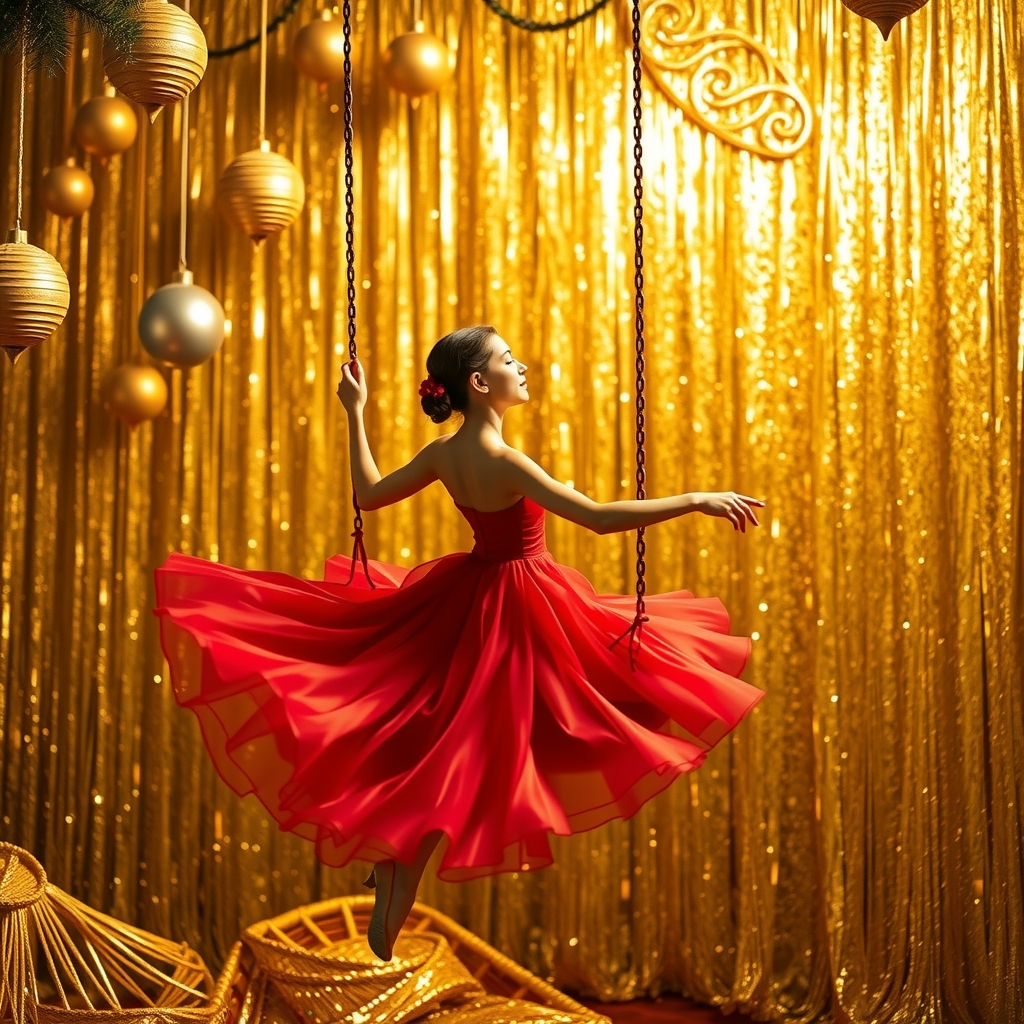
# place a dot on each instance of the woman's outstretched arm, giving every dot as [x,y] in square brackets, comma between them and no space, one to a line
[372,490]
[524,476]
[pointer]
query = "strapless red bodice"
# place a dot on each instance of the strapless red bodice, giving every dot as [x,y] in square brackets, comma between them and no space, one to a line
[509,533]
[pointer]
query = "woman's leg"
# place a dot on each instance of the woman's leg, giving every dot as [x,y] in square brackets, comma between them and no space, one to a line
[396,884]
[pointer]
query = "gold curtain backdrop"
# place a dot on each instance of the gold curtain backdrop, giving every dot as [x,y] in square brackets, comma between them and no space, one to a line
[839,332]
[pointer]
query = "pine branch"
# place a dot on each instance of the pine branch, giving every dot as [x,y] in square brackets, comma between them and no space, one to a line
[45,27]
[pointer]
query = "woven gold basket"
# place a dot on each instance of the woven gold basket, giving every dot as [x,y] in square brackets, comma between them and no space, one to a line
[323,972]
[65,963]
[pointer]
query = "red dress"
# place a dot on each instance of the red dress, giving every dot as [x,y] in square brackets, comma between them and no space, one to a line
[475,693]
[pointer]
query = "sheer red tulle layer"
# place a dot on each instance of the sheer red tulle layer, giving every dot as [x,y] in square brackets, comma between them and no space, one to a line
[475,694]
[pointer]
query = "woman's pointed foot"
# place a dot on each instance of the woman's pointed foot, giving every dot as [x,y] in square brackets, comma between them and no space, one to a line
[377,934]
[371,881]
[395,886]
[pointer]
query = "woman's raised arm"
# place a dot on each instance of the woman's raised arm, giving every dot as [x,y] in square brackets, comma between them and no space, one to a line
[524,476]
[372,490]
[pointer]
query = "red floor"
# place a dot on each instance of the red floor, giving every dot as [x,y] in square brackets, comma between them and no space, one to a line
[664,1010]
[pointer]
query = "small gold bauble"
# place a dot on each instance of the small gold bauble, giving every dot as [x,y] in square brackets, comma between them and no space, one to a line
[34,295]
[417,63]
[165,63]
[67,190]
[884,13]
[135,393]
[105,125]
[319,49]
[260,192]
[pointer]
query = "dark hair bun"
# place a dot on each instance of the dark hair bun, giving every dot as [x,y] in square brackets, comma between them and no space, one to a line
[450,363]
[438,408]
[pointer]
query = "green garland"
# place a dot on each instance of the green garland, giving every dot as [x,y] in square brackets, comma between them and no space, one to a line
[44,25]
[544,26]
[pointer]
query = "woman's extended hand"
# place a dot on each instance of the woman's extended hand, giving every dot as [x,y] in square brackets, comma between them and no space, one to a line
[352,389]
[729,505]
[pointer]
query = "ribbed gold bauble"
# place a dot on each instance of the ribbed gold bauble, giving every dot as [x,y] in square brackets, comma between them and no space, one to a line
[135,393]
[260,192]
[884,13]
[34,295]
[105,125]
[417,63]
[67,190]
[165,63]
[319,49]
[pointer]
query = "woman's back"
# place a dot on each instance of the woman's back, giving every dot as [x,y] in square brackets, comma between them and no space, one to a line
[472,472]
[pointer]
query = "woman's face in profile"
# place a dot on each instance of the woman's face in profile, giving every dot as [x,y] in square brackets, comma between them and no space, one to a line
[505,377]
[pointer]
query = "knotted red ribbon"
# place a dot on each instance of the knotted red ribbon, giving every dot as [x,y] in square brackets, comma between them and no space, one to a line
[636,627]
[359,553]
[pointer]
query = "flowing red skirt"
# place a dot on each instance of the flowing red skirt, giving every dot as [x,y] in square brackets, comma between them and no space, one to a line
[473,696]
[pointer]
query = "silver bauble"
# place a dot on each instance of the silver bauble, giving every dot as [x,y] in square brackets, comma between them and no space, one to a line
[181,324]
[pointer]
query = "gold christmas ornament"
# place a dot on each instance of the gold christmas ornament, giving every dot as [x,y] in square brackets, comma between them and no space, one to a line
[417,63]
[105,125]
[34,295]
[884,13]
[319,49]
[181,324]
[260,192]
[135,393]
[67,190]
[166,62]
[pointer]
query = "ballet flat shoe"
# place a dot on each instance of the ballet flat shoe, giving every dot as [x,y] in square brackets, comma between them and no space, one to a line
[371,881]
[376,933]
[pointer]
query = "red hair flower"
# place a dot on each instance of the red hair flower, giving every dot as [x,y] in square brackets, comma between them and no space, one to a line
[431,387]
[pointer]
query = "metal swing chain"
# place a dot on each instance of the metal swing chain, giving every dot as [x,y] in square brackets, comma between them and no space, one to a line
[358,550]
[636,627]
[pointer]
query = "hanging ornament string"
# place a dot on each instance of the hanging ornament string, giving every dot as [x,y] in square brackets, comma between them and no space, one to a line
[69,92]
[183,221]
[636,627]
[182,227]
[263,72]
[21,137]
[529,25]
[140,224]
[358,549]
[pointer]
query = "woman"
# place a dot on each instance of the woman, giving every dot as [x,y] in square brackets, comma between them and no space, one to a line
[481,696]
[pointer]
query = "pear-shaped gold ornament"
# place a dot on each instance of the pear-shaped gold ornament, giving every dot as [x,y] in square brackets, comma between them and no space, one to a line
[884,13]
[165,63]
[34,295]
[261,192]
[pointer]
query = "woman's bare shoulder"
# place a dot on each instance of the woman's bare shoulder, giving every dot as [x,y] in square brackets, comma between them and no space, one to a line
[513,456]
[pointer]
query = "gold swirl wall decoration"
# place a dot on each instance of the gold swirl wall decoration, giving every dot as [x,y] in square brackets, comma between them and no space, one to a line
[725,80]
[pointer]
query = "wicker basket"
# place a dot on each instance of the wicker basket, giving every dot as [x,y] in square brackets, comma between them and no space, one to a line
[319,962]
[65,963]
